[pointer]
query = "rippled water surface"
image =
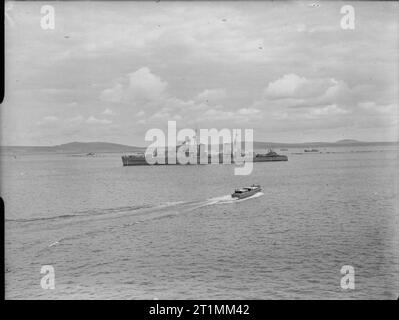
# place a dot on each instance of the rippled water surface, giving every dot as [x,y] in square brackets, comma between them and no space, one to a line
[173,232]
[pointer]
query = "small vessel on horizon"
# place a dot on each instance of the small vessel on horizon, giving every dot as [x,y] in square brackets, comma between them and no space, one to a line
[269,156]
[311,150]
[246,192]
[134,160]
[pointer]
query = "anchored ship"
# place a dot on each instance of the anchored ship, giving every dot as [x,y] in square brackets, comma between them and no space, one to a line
[269,156]
[140,158]
[200,157]
[134,160]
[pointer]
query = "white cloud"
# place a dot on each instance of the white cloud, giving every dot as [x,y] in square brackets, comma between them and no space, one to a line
[94,120]
[240,48]
[215,114]
[149,91]
[329,110]
[162,114]
[50,118]
[76,119]
[371,106]
[287,86]
[141,85]
[108,112]
[243,114]
[72,104]
[47,120]
[211,95]
[248,111]
[113,94]
[294,86]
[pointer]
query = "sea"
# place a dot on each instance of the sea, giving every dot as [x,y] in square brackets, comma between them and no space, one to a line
[174,232]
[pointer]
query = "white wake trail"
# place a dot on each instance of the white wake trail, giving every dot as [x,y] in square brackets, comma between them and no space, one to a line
[229,199]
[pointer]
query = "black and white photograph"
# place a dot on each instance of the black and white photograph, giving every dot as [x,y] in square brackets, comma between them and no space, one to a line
[200,150]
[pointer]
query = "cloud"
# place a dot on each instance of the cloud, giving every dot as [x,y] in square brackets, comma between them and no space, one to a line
[301,69]
[296,102]
[149,91]
[287,86]
[305,104]
[141,85]
[372,114]
[164,113]
[211,95]
[50,118]
[113,94]
[327,95]
[72,104]
[94,120]
[329,110]
[214,114]
[108,112]
[75,120]
[371,106]
[248,111]
[294,86]
[47,120]
[236,116]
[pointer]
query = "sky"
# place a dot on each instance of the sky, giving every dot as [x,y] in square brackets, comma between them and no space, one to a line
[110,71]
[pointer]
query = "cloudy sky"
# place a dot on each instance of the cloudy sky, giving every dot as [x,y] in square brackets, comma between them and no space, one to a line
[111,71]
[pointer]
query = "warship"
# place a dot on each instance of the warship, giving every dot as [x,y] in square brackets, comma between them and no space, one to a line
[134,160]
[269,156]
[140,159]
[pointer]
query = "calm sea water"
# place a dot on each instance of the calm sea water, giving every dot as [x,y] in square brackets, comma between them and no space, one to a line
[173,232]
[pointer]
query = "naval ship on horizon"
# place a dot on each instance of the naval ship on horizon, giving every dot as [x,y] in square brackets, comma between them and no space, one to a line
[138,159]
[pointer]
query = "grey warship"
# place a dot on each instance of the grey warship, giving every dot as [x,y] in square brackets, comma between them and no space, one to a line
[140,159]
[269,156]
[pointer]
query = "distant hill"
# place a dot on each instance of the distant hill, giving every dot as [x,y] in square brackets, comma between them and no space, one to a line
[348,141]
[96,147]
[359,143]
[106,147]
[74,148]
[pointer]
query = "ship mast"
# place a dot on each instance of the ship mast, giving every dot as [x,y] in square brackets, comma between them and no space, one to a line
[197,146]
[234,146]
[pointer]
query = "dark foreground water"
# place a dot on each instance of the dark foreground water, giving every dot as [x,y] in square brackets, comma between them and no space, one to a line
[173,232]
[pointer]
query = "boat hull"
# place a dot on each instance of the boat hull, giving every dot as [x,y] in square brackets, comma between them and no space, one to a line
[139,160]
[246,194]
[270,159]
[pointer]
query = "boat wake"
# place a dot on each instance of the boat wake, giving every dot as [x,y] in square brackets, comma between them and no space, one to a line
[112,219]
[229,199]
